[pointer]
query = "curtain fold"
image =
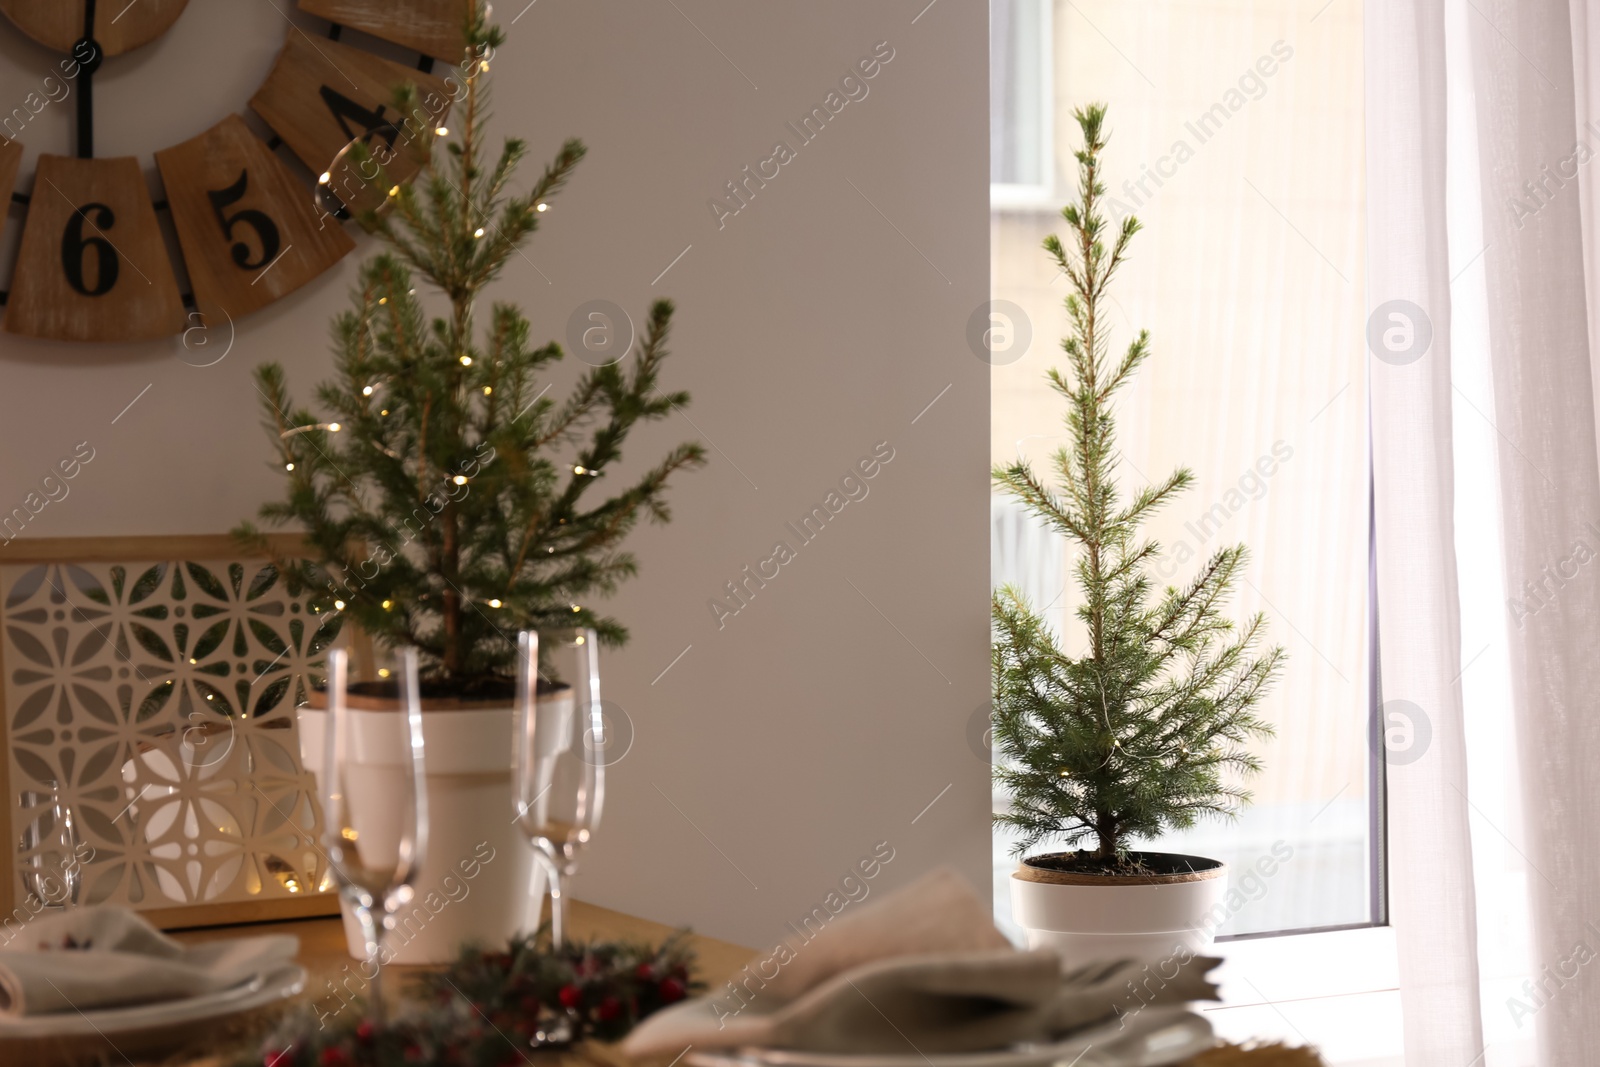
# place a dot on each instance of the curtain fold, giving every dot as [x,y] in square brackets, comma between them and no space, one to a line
[1530,70]
[1532,96]
[1432,898]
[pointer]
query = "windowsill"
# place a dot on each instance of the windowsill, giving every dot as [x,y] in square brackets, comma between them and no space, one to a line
[1337,990]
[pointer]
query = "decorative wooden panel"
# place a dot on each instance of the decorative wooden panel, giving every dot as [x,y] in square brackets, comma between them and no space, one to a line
[249,231]
[432,27]
[119,26]
[320,96]
[152,702]
[93,265]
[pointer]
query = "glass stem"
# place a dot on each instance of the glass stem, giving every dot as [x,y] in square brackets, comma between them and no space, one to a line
[558,905]
[372,933]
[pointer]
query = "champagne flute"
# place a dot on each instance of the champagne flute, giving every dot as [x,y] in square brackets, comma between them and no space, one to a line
[51,845]
[374,806]
[560,756]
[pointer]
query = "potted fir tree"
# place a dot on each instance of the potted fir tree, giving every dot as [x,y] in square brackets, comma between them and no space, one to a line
[449,502]
[1146,731]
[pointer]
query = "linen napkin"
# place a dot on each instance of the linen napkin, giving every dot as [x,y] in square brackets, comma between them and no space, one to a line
[103,957]
[923,970]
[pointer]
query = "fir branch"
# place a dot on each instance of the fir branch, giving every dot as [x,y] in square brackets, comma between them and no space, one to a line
[456,483]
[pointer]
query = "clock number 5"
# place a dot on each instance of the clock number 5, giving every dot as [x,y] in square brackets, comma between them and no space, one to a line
[266,230]
[75,249]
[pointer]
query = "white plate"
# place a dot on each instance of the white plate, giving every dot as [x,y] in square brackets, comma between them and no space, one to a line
[114,1024]
[1154,1038]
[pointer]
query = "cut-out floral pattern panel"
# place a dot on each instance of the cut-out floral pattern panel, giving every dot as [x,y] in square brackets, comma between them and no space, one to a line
[153,749]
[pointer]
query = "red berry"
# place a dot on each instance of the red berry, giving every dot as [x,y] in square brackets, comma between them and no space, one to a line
[609,1009]
[671,990]
[275,1058]
[365,1031]
[571,996]
[644,972]
[333,1056]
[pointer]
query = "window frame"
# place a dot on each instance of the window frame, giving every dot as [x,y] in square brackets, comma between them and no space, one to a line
[1025,195]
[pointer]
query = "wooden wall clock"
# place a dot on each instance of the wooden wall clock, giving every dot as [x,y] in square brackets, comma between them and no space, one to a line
[94,264]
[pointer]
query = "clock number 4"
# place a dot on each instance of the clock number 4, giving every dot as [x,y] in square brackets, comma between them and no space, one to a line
[266,230]
[371,122]
[75,248]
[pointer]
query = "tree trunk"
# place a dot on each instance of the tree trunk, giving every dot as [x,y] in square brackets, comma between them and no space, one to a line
[1106,830]
[449,561]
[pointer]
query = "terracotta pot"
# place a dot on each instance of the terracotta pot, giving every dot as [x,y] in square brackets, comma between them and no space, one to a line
[478,880]
[1103,917]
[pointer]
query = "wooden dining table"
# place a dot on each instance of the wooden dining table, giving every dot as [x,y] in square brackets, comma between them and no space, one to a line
[327,961]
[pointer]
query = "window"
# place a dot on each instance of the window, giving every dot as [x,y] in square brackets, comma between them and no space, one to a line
[1237,140]
[1021,108]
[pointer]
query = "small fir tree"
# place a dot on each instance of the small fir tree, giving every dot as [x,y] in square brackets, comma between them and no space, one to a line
[1147,730]
[449,501]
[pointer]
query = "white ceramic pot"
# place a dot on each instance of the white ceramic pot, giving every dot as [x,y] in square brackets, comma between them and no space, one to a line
[1086,917]
[478,880]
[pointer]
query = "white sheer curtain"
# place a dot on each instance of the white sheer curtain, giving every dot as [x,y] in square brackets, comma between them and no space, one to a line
[1522,70]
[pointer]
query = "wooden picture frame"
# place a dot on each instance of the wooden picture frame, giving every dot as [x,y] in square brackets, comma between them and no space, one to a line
[115,654]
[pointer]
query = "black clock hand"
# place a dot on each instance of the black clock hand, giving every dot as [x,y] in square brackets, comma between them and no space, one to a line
[87,52]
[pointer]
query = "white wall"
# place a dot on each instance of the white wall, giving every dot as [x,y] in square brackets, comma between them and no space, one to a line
[783,746]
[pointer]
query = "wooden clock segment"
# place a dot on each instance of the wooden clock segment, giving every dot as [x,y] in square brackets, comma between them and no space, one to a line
[93,265]
[119,26]
[432,27]
[321,96]
[10,160]
[248,228]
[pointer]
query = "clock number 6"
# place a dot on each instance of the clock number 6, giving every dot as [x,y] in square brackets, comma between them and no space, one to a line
[266,230]
[75,248]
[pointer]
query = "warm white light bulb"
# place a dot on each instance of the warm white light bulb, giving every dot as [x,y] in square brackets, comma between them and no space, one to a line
[324,178]
[466,361]
[443,131]
[542,207]
[366,390]
[387,604]
[460,479]
[334,427]
[488,389]
[339,604]
[288,466]
[494,603]
[478,232]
